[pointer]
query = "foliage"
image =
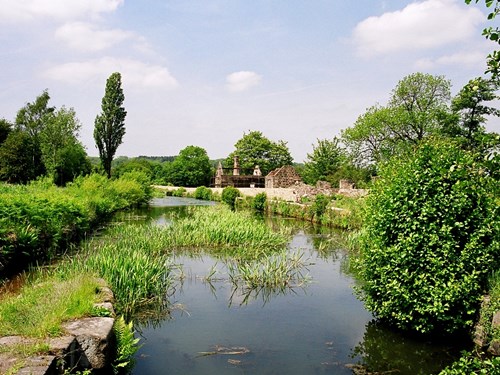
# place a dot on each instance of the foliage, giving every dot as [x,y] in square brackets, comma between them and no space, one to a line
[431,239]
[20,158]
[191,168]
[134,164]
[418,108]
[319,205]
[469,106]
[180,192]
[255,149]
[126,345]
[33,116]
[110,123]
[229,195]
[471,365]
[203,193]
[324,161]
[5,129]
[493,34]
[39,220]
[259,202]
[58,140]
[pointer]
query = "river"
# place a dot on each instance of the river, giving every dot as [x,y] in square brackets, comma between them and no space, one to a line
[317,328]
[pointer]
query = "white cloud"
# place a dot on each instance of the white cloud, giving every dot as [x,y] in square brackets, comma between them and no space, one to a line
[87,37]
[134,73]
[468,59]
[241,81]
[27,10]
[420,25]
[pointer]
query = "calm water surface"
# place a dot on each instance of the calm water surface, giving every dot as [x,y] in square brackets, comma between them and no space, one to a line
[320,328]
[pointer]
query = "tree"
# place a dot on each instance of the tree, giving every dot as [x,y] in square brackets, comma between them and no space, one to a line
[30,120]
[470,108]
[33,116]
[418,108]
[73,163]
[493,34]
[59,132]
[255,149]
[110,123]
[20,158]
[324,161]
[419,103]
[5,129]
[431,240]
[191,168]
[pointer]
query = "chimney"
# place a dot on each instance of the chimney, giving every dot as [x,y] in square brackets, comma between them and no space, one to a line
[236,167]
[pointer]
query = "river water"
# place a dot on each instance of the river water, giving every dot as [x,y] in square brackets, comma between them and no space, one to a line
[318,328]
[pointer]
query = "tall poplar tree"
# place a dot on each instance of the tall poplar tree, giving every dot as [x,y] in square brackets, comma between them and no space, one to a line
[110,123]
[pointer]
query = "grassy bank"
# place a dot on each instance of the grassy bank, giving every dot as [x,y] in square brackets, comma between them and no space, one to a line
[39,221]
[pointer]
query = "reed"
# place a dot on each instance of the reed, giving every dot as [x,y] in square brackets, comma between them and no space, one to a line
[133,261]
[227,233]
[280,270]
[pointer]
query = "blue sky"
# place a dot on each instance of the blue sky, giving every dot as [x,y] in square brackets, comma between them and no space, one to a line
[204,72]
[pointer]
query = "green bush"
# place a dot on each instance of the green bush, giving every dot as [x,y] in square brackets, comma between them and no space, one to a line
[229,195]
[431,239]
[180,192]
[203,193]
[259,202]
[319,206]
[469,364]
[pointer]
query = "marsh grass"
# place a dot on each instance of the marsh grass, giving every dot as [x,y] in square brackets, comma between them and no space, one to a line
[221,231]
[280,270]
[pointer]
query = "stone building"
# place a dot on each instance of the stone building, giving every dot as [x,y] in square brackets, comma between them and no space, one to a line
[282,177]
[238,177]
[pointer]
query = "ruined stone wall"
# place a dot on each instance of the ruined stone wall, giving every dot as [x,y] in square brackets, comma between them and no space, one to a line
[283,177]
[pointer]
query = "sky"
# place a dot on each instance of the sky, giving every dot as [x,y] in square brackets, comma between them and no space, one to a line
[206,72]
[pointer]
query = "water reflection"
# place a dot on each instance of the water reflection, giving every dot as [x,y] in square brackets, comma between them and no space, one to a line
[386,349]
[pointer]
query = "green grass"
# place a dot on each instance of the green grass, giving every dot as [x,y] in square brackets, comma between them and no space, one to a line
[42,305]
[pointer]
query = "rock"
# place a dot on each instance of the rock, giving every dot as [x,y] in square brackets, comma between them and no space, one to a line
[96,339]
[480,337]
[494,348]
[495,322]
[43,365]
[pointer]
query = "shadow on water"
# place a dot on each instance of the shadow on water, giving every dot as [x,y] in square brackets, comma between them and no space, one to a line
[215,327]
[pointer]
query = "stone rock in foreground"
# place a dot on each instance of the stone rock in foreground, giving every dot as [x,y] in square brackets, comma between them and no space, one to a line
[96,340]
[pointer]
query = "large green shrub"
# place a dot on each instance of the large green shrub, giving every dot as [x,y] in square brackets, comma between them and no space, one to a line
[229,195]
[431,239]
[259,202]
[319,206]
[203,193]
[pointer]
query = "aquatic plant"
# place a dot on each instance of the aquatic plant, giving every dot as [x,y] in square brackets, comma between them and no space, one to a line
[220,230]
[133,261]
[278,270]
